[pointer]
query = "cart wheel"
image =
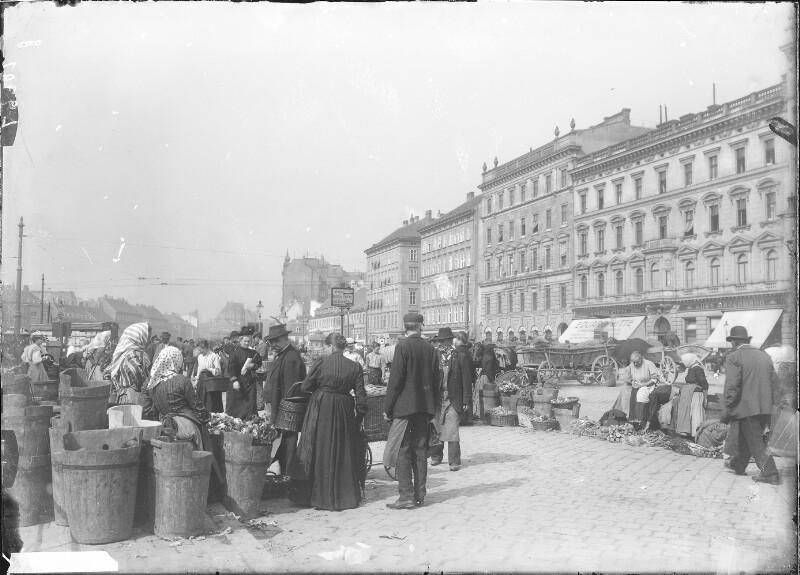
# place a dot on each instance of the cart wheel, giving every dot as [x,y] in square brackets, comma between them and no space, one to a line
[600,364]
[368,458]
[668,369]
[392,476]
[547,372]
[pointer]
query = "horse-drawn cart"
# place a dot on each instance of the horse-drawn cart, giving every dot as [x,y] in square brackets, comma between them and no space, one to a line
[589,363]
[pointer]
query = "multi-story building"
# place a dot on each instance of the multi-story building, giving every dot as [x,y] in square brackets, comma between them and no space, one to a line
[308,281]
[327,318]
[689,221]
[393,279]
[447,274]
[120,311]
[525,233]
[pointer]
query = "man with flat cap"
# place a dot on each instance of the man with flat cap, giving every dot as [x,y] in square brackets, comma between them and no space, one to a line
[413,395]
[751,391]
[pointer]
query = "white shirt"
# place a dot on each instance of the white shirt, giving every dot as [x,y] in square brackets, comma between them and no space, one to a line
[209,361]
[353,356]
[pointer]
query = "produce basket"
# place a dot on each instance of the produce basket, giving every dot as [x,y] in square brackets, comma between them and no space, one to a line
[562,403]
[216,384]
[375,427]
[275,486]
[549,425]
[509,420]
[291,411]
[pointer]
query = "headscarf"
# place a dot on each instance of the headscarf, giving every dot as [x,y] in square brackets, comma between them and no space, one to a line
[690,360]
[168,364]
[133,340]
[99,341]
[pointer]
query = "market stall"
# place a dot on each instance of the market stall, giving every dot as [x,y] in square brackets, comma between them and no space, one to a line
[761,326]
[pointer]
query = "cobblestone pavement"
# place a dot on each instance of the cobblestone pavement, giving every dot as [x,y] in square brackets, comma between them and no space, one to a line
[529,501]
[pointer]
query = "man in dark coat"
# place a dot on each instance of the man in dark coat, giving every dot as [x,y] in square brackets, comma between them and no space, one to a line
[751,388]
[287,369]
[413,394]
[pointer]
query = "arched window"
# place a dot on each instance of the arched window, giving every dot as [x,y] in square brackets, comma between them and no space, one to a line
[714,267]
[584,287]
[688,275]
[654,278]
[772,265]
[619,282]
[601,284]
[639,280]
[741,269]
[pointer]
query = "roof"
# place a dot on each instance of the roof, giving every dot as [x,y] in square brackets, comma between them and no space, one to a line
[461,210]
[121,305]
[407,232]
[80,313]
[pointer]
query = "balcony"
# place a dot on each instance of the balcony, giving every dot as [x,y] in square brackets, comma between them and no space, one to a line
[661,245]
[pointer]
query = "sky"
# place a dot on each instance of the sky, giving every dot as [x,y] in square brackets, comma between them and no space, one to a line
[172,153]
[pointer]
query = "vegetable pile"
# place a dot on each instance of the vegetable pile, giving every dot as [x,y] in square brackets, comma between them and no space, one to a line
[260,428]
[508,388]
[500,410]
[527,417]
[564,400]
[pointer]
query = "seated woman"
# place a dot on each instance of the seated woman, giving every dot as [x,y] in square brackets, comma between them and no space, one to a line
[329,468]
[688,405]
[640,376]
[170,399]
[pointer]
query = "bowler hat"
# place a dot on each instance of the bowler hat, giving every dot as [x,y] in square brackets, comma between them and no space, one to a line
[738,333]
[276,331]
[165,334]
[445,333]
[412,317]
[246,330]
[234,334]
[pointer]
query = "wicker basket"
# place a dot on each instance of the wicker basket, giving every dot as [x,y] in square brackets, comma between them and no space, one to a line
[275,486]
[509,420]
[550,425]
[291,412]
[376,428]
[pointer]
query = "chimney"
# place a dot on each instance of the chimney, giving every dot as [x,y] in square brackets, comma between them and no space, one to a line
[428,214]
[405,222]
[470,196]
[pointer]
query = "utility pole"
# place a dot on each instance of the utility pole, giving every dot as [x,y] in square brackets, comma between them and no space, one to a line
[18,314]
[41,313]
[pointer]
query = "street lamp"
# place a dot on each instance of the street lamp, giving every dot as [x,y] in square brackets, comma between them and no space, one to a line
[260,307]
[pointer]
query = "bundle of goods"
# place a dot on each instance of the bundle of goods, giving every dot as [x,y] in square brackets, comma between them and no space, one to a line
[564,402]
[260,428]
[585,427]
[508,388]
[618,433]
[656,439]
[532,419]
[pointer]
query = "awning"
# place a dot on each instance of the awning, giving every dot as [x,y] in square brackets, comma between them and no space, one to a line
[581,330]
[759,324]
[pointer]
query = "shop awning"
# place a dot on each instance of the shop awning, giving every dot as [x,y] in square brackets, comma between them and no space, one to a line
[759,324]
[581,330]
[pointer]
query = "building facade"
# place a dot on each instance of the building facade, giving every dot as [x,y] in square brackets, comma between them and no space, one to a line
[448,281]
[120,311]
[393,279]
[525,233]
[327,318]
[308,281]
[689,221]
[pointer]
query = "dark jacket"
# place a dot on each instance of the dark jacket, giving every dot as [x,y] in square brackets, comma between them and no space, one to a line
[174,396]
[751,384]
[460,379]
[490,367]
[697,375]
[287,369]
[414,379]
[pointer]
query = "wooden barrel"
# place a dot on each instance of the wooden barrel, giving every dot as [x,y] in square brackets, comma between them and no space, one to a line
[245,473]
[12,402]
[217,486]
[32,490]
[181,488]
[145,513]
[564,417]
[100,471]
[489,400]
[30,425]
[45,390]
[17,385]
[10,457]
[57,431]
[83,402]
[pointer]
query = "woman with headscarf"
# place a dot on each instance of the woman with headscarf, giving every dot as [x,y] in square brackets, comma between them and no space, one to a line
[170,399]
[98,355]
[329,468]
[74,357]
[129,366]
[33,355]
[688,405]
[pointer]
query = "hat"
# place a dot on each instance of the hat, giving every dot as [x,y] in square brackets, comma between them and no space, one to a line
[165,334]
[445,333]
[350,341]
[234,334]
[276,331]
[413,317]
[246,330]
[738,333]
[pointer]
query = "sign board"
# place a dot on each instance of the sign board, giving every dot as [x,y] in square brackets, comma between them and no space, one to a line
[582,330]
[342,297]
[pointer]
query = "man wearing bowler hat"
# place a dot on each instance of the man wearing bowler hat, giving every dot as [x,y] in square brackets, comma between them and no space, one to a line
[454,401]
[287,369]
[413,395]
[751,390]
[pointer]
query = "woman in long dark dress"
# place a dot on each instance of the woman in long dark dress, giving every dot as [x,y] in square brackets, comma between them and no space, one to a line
[241,398]
[330,460]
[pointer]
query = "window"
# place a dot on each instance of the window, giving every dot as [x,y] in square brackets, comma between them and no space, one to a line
[522,228]
[522,301]
[741,212]
[772,265]
[547,258]
[413,254]
[563,214]
[637,188]
[687,174]
[688,223]
[511,230]
[618,231]
[510,302]
[637,229]
[619,283]
[713,211]
[535,224]
[548,219]
[563,177]
[522,263]
[548,184]
[654,277]
[499,303]
[562,250]
[741,269]
[510,264]
[769,151]
[563,296]
[500,201]
[769,201]
[511,197]
[583,202]
[601,285]
[489,236]
[488,206]
[662,182]
[714,269]
[523,192]
[618,192]
[412,297]
[689,329]
[601,240]
[535,258]
[584,287]
[600,198]
[412,274]
[534,301]
[487,305]
[536,187]
[662,227]
[639,280]
[547,297]
[712,167]
[740,162]
[499,232]
[583,236]
[499,267]
[688,275]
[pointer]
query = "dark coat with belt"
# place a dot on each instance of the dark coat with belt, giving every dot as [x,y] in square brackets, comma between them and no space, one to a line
[460,379]
[287,369]
[414,379]
[751,384]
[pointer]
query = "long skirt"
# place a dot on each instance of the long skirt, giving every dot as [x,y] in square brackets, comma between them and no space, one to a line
[241,403]
[37,372]
[330,454]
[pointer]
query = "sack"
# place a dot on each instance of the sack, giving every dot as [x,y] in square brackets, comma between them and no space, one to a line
[783,436]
